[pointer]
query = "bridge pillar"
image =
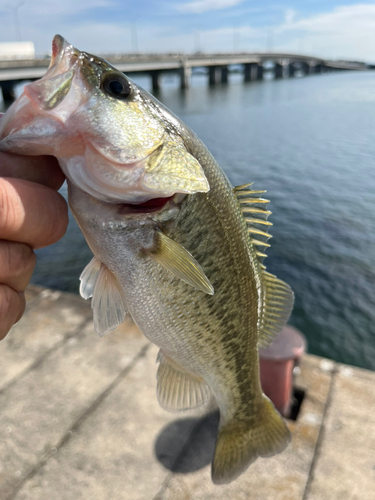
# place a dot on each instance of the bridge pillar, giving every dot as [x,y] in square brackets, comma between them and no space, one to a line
[224,74]
[291,69]
[258,68]
[279,70]
[312,67]
[8,91]
[155,80]
[185,76]
[318,68]
[214,75]
[305,67]
[247,72]
[252,71]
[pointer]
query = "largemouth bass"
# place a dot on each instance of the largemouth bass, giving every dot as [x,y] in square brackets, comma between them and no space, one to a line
[174,244]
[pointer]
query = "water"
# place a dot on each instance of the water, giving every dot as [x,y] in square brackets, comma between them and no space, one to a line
[310,143]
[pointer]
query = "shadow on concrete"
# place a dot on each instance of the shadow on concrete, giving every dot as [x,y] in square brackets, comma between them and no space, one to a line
[187,445]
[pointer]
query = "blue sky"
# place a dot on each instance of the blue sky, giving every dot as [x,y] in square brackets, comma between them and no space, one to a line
[330,28]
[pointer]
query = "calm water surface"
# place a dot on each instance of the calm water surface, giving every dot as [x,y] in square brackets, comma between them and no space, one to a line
[310,142]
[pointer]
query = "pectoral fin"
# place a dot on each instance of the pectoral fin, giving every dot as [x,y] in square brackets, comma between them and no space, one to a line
[88,278]
[107,302]
[178,390]
[180,262]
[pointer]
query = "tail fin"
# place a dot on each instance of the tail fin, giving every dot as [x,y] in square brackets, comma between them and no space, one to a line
[239,444]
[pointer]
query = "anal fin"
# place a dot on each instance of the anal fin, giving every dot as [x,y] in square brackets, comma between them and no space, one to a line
[178,390]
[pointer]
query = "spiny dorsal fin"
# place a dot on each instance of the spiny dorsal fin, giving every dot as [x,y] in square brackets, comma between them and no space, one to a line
[277,305]
[254,210]
[178,390]
[180,262]
[107,303]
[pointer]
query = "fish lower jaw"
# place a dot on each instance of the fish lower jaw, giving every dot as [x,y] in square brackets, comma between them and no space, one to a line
[153,205]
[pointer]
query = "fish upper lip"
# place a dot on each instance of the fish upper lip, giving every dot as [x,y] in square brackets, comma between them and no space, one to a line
[127,164]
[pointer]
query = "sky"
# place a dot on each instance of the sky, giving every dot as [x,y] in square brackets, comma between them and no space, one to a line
[331,29]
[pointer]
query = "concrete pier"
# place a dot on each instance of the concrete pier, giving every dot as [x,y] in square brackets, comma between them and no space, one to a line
[8,92]
[291,69]
[155,75]
[224,74]
[214,75]
[248,72]
[279,70]
[258,69]
[185,76]
[79,419]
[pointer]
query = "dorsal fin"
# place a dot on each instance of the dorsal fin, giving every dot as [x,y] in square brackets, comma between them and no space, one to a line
[254,210]
[278,297]
[278,301]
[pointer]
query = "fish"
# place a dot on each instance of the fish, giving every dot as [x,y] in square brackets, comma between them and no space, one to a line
[174,244]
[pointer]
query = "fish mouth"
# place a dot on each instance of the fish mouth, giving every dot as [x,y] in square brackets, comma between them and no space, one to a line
[150,206]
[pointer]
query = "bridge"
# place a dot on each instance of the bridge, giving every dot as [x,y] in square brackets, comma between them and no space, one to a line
[217,67]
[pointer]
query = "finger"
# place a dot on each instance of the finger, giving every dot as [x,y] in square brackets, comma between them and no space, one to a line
[12,306]
[41,169]
[31,213]
[17,262]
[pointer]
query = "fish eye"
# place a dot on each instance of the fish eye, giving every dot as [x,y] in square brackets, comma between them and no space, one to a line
[116,85]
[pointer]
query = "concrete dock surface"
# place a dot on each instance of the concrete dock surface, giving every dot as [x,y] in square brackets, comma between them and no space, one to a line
[79,419]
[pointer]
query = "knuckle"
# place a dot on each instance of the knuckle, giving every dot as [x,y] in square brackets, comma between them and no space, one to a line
[11,309]
[57,221]
[6,300]
[5,207]
[19,258]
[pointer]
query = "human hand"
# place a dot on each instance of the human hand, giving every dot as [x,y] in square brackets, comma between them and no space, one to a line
[32,215]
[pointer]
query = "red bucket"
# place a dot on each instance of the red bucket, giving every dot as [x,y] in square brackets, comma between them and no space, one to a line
[277,363]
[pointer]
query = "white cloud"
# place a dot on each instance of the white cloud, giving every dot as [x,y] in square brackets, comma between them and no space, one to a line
[356,17]
[347,32]
[289,16]
[199,6]
[46,8]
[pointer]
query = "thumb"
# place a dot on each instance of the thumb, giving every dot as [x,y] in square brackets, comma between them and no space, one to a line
[41,169]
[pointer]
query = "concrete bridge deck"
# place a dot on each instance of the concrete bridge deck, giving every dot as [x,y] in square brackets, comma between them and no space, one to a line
[79,420]
[217,66]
